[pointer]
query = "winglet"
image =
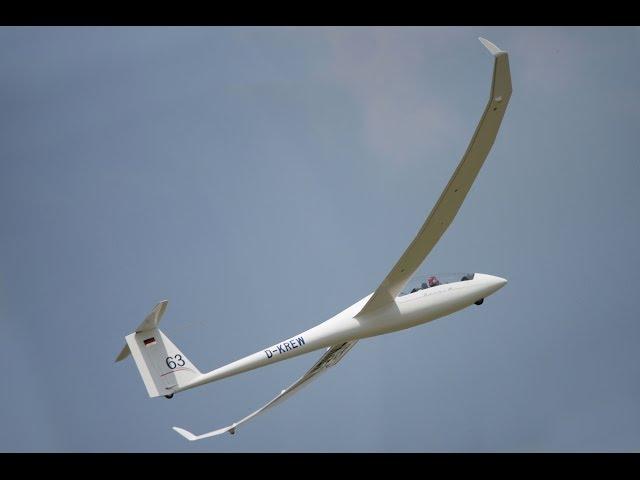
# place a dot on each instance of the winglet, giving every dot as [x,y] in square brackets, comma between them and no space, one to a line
[191,437]
[491,47]
[188,435]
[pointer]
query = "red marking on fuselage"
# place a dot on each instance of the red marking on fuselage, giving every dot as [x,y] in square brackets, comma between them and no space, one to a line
[176,370]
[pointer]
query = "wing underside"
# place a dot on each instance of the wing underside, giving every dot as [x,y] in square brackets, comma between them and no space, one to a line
[332,356]
[456,190]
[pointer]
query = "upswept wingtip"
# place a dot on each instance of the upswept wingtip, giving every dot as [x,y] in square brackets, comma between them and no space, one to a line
[186,434]
[491,46]
[191,437]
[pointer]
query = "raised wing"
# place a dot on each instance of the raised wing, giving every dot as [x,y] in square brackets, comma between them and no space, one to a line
[332,356]
[456,190]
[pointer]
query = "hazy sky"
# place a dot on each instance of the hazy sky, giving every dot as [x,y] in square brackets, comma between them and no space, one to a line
[264,179]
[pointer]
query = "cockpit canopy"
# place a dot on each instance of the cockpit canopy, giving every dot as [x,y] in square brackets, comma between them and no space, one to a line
[421,282]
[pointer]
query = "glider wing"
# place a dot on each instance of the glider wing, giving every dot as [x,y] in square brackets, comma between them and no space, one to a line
[456,190]
[332,356]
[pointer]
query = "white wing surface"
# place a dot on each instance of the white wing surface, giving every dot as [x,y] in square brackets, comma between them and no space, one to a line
[332,356]
[456,190]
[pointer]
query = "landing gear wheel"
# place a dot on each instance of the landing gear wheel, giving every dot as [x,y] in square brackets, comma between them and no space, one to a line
[169,396]
[480,302]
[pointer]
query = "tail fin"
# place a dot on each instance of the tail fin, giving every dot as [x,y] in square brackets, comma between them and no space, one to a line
[162,366]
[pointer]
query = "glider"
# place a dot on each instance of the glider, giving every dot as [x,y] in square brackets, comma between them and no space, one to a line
[165,370]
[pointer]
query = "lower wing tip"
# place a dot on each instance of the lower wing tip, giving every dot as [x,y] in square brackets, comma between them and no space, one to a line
[495,50]
[186,434]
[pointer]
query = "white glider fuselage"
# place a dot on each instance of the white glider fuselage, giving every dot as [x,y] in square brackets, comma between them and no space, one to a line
[407,311]
[165,370]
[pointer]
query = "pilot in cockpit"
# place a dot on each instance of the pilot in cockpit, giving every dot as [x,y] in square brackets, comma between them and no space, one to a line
[431,282]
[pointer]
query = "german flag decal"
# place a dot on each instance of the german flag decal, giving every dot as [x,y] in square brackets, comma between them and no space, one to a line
[149,341]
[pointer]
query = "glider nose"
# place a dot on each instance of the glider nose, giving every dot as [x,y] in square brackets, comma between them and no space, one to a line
[501,282]
[490,283]
[496,283]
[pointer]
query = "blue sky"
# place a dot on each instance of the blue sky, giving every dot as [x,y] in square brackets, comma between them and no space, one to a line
[263,179]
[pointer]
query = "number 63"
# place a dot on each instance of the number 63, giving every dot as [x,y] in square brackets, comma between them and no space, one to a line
[179,362]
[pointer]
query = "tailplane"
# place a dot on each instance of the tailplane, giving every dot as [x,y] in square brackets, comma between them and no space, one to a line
[162,366]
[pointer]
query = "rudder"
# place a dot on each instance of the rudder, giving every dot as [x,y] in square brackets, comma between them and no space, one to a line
[162,366]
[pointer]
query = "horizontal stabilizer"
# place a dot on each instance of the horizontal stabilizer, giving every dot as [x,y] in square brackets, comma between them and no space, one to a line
[153,319]
[149,323]
[124,353]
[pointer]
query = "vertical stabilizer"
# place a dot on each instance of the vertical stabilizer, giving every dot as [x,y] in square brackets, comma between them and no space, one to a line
[162,366]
